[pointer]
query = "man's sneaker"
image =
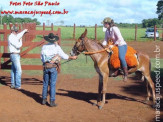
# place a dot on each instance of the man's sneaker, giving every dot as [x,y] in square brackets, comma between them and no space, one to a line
[12,87]
[43,101]
[53,104]
[18,88]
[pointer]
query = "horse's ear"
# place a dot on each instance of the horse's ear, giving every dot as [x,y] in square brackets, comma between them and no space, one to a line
[84,34]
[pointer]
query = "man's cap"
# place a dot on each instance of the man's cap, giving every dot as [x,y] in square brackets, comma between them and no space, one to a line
[14,28]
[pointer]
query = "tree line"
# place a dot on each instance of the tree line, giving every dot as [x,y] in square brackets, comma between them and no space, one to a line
[10,19]
[145,22]
[152,22]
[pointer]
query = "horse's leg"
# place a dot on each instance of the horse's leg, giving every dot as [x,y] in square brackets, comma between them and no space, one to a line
[145,68]
[105,72]
[100,89]
[151,84]
[99,86]
[148,90]
[104,90]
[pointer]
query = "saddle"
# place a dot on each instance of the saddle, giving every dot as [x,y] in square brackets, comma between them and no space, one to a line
[131,57]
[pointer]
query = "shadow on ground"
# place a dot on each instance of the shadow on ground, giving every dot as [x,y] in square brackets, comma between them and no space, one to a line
[88,96]
[5,80]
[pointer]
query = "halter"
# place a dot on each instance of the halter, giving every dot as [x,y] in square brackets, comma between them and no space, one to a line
[81,44]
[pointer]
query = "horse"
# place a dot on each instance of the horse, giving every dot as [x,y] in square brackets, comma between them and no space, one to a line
[101,65]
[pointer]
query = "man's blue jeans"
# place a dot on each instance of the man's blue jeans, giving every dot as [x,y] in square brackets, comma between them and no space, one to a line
[16,70]
[122,54]
[50,75]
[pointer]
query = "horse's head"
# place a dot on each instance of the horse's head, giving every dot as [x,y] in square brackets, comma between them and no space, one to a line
[79,45]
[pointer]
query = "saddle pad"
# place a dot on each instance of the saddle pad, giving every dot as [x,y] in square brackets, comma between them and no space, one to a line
[130,57]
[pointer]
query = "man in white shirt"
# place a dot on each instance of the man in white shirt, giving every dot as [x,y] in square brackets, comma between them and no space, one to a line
[49,58]
[14,45]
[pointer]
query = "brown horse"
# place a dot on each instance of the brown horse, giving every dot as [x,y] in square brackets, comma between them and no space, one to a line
[102,67]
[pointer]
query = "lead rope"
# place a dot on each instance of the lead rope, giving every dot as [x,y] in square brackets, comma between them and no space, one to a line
[66,62]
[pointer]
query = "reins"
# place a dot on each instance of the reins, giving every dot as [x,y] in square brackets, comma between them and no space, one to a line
[99,51]
[65,61]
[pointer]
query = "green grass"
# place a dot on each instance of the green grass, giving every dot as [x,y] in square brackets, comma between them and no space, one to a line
[80,67]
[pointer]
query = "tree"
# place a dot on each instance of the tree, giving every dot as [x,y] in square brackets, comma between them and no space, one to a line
[36,21]
[151,22]
[160,9]
[10,19]
[19,20]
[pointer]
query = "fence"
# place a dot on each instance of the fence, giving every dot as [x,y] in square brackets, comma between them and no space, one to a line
[136,30]
[27,42]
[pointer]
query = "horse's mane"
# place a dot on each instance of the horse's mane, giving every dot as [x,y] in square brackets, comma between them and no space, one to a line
[98,44]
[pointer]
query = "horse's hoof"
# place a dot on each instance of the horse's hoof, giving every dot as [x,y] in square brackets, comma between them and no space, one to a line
[100,107]
[94,104]
[146,101]
[153,106]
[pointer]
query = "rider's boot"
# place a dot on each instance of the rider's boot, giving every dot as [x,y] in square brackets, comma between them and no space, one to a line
[125,74]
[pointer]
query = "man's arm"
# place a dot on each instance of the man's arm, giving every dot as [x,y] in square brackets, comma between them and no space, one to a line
[20,35]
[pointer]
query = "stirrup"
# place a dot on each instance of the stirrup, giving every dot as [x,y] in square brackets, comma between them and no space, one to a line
[115,74]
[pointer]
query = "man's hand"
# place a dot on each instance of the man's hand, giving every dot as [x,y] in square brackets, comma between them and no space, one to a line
[111,46]
[26,30]
[52,62]
[73,57]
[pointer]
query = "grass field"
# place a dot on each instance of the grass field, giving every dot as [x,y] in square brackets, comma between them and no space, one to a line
[79,67]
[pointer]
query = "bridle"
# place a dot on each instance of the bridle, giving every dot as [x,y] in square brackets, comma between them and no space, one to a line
[78,45]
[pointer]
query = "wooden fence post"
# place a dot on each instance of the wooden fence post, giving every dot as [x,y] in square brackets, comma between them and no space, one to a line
[52,26]
[155,33]
[136,32]
[10,25]
[74,31]
[96,32]
[43,27]
[162,32]
[5,39]
[59,34]
[16,24]
[20,27]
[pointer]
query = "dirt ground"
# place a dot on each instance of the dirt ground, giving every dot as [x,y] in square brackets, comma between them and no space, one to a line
[125,101]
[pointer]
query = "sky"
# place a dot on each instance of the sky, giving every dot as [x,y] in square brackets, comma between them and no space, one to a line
[88,12]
